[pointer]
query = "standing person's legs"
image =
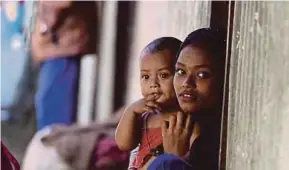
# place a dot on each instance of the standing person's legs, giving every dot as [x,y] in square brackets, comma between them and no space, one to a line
[57,91]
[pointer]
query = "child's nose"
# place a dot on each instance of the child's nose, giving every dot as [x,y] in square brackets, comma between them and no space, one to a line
[154,83]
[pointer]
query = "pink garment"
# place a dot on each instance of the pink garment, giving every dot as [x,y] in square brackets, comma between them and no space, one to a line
[8,161]
[108,155]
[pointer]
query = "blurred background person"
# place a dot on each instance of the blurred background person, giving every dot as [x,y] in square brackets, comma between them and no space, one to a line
[18,77]
[64,31]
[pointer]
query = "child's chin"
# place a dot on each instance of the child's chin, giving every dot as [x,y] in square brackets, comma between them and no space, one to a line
[163,102]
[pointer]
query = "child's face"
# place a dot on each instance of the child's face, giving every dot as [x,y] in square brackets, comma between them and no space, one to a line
[156,76]
[195,80]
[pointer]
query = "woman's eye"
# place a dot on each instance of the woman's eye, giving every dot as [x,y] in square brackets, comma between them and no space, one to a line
[203,75]
[180,71]
[145,77]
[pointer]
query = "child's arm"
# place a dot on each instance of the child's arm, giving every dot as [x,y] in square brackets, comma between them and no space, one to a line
[128,131]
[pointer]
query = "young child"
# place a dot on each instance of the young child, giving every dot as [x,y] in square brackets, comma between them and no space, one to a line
[198,84]
[140,123]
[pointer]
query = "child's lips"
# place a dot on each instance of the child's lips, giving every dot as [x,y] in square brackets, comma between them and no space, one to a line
[157,95]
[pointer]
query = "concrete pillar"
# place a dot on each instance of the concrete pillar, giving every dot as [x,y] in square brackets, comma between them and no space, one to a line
[105,80]
[87,89]
[258,108]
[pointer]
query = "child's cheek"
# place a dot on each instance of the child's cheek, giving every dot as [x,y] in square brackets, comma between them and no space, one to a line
[144,91]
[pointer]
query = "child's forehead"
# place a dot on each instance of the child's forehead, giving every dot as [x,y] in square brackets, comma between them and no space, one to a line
[156,61]
[164,55]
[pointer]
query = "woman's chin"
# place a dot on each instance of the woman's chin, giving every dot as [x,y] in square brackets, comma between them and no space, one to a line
[190,109]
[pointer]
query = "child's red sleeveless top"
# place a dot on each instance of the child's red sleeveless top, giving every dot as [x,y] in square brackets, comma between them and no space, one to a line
[150,140]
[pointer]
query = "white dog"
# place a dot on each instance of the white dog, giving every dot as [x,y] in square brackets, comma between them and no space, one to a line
[41,157]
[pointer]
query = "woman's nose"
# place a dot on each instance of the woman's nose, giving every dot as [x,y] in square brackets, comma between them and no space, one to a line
[189,82]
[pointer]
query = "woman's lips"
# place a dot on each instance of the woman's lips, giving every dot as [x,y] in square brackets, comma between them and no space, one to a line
[188,97]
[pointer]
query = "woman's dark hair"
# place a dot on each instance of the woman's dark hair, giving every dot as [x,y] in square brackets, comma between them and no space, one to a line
[211,40]
[205,150]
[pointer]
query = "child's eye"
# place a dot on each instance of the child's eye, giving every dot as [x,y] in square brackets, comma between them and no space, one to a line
[146,77]
[203,74]
[164,75]
[180,71]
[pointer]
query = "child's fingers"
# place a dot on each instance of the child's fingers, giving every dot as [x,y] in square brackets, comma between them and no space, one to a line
[150,97]
[153,105]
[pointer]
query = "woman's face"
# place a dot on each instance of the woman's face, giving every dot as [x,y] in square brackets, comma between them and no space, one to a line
[195,80]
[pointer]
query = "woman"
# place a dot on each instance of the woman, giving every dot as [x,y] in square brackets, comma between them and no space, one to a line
[198,84]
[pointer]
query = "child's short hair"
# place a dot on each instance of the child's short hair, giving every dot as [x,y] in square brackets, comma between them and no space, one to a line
[164,43]
[211,40]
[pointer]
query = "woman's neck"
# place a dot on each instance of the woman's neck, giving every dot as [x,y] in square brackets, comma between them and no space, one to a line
[166,114]
[209,120]
[169,109]
[196,132]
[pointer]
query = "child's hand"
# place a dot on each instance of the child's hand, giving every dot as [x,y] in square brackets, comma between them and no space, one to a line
[145,105]
[176,135]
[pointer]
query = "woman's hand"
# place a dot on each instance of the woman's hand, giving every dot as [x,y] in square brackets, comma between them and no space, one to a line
[176,135]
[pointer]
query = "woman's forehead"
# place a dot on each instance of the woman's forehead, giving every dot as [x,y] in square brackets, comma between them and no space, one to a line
[191,55]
